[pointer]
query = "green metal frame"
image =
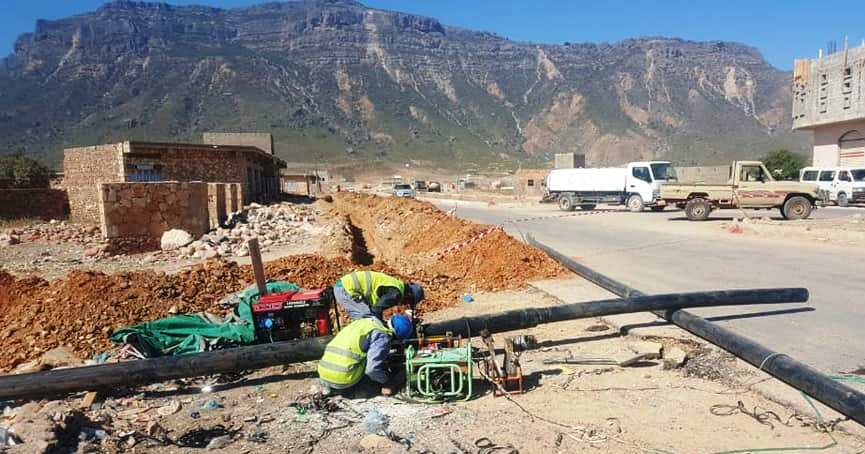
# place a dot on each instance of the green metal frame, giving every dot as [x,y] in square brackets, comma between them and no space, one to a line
[420,366]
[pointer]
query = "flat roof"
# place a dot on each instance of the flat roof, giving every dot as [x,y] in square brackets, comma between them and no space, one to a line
[207,146]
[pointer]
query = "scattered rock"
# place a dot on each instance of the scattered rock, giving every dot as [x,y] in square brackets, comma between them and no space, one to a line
[674,358]
[379,444]
[648,350]
[219,442]
[175,239]
[60,357]
[597,327]
[94,251]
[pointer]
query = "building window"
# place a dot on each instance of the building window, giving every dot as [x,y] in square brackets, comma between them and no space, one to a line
[530,183]
[144,172]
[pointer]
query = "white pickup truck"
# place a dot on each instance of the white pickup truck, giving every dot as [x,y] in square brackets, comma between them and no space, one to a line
[637,186]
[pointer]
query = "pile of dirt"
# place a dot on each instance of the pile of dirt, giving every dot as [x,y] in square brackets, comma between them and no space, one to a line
[83,309]
[405,238]
[415,237]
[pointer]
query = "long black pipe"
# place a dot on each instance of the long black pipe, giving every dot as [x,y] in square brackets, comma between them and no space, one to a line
[530,317]
[130,373]
[843,399]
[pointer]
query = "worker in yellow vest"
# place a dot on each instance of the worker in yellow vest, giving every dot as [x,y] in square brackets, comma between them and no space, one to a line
[362,292]
[359,353]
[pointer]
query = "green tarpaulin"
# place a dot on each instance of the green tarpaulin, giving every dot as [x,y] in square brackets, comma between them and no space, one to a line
[194,333]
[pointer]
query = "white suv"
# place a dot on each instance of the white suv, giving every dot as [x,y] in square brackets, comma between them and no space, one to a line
[403,190]
[842,184]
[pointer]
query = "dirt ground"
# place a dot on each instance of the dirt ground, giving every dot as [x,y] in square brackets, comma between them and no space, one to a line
[566,408]
[83,308]
[848,230]
[700,407]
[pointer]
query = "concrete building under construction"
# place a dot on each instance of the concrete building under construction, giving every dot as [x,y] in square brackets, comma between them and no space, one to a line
[829,101]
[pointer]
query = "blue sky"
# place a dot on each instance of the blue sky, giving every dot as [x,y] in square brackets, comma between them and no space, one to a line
[781,30]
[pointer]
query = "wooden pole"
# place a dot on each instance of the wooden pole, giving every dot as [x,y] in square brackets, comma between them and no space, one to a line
[257,266]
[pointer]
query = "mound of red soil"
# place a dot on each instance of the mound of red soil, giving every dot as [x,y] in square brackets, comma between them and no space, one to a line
[407,238]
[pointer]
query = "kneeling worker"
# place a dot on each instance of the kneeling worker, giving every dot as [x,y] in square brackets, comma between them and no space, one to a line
[360,292]
[360,351]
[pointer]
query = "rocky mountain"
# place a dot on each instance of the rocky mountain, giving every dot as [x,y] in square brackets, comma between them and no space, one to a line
[334,80]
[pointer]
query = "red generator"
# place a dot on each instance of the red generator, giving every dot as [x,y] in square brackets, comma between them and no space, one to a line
[293,315]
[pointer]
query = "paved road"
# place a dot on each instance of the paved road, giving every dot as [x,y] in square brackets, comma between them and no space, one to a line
[660,252]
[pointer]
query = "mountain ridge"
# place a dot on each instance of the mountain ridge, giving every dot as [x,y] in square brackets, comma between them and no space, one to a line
[336,81]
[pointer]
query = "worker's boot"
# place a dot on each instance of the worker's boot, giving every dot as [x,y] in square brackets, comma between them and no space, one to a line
[394,383]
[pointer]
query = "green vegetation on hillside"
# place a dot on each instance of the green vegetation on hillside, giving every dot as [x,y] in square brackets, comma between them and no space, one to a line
[19,171]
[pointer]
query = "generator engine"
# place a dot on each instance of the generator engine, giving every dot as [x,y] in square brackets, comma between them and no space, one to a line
[294,315]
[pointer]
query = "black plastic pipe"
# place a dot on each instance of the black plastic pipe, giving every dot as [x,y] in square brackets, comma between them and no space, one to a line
[530,317]
[843,399]
[130,373]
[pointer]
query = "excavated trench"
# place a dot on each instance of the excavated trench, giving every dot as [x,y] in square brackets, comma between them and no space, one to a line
[360,252]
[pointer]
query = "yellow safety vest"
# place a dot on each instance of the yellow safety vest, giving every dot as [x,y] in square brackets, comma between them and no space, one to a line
[344,362]
[367,283]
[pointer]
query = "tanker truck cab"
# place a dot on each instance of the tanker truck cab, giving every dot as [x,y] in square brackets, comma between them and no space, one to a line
[644,184]
[636,185]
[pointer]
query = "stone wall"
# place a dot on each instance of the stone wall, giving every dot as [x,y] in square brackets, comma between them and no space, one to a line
[84,169]
[184,163]
[33,203]
[147,210]
[216,204]
[232,197]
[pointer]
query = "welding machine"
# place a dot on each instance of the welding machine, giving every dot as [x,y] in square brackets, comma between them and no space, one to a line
[294,315]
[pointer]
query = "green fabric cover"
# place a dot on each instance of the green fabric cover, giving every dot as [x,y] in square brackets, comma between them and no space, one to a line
[194,333]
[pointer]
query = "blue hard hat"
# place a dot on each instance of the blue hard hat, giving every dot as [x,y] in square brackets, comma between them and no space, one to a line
[416,292]
[401,326]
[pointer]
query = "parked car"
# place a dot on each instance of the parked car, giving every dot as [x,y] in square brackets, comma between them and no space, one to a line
[636,186]
[434,186]
[420,185]
[842,184]
[750,186]
[403,190]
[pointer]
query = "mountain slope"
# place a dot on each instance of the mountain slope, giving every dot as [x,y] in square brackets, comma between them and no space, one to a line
[336,81]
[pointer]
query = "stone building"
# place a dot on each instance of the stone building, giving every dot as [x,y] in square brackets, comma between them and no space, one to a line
[256,170]
[829,101]
[570,160]
[530,182]
[304,184]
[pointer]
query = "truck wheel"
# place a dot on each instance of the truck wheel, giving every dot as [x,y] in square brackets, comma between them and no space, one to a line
[698,209]
[587,206]
[796,207]
[842,199]
[565,203]
[659,208]
[635,203]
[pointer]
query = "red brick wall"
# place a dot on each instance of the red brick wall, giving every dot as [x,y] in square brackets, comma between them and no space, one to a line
[84,169]
[33,203]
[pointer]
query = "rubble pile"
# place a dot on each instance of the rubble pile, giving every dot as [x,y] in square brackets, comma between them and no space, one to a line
[273,225]
[53,232]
